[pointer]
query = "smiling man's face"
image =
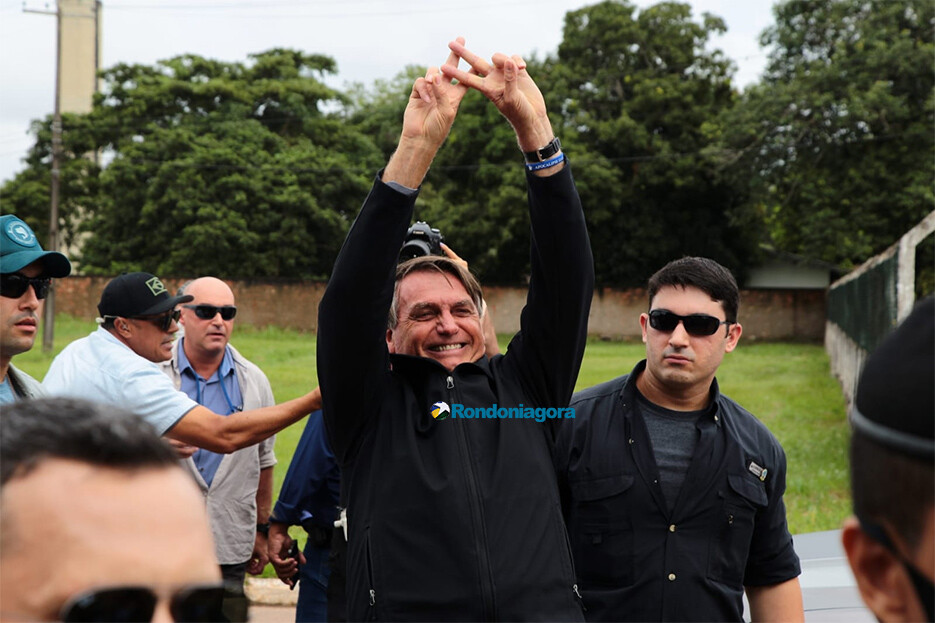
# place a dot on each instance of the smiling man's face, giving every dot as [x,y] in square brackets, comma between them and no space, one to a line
[437,320]
[19,318]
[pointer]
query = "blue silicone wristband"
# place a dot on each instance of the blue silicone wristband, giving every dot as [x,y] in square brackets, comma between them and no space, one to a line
[545,164]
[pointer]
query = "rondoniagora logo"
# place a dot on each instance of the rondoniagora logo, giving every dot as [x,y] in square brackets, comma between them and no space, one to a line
[440,411]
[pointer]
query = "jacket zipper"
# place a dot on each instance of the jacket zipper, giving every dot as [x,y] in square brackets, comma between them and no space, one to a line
[574,573]
[474,497]
[373,593]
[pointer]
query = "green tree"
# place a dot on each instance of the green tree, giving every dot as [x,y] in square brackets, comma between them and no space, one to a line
[642,94]
[233,169]
[837,140]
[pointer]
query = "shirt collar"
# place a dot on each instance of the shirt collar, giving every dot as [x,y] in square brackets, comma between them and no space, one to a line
[628,394]
[226,368]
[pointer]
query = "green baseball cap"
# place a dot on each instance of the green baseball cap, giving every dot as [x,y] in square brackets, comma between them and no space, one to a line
[19,248]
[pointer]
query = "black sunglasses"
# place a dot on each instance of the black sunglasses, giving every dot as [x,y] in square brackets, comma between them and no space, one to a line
[133,604]
[207,312]
[698,325]
[14,285]
[163,322]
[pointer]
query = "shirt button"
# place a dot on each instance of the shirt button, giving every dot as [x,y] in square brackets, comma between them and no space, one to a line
[672,528]
[671,577]
[715,418]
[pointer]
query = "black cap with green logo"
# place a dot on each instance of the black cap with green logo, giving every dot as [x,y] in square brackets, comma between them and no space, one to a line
[137,294]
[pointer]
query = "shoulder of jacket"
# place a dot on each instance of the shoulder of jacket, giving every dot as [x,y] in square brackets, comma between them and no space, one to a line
[607,389]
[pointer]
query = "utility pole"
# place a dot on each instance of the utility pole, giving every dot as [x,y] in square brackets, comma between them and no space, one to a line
[48,313]
[48,316]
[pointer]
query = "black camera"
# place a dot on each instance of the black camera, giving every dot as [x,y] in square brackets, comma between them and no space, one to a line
[421,239]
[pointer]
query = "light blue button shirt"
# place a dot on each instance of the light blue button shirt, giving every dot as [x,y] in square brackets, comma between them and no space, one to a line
[6,392]
[100,367]
[220,393]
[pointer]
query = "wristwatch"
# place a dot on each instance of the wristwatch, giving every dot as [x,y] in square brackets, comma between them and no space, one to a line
[541,155]
[263,528]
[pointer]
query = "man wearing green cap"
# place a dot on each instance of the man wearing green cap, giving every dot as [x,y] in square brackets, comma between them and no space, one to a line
[26,273]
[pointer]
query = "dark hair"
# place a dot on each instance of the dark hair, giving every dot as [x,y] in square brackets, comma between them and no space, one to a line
[440,264]
[32,431]
[704,274]
[892,488]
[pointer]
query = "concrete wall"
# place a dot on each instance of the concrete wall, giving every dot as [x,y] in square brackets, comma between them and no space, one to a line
[765,314]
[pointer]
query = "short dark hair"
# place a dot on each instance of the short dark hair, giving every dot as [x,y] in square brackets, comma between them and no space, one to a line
[33,431]
[891,488]
[440,264]
[704,274]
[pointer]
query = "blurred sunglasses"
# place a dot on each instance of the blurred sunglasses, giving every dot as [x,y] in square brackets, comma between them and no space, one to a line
[207,312]
[163,322]
[698,325]
[14,285]
[135,604]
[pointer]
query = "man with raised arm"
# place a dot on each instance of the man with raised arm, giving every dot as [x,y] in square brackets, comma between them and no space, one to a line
[452,518]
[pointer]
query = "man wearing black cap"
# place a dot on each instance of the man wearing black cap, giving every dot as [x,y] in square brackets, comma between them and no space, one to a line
[26,273]
[890,541]
[117,364]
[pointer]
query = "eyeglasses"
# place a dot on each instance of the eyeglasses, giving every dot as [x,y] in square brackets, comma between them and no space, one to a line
[207,312]
[698,325]
[162,322]
[134,604]
[14,285]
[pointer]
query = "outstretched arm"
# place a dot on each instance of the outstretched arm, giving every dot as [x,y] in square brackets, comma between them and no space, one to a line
[505,82]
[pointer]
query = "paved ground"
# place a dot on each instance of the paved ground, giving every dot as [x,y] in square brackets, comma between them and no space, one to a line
[271,601]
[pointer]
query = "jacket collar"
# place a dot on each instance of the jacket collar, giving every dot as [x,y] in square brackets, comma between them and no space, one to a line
[412,365]
[628,392]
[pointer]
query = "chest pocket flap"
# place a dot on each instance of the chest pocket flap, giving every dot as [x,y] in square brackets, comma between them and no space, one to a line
[746,487]
[600,488]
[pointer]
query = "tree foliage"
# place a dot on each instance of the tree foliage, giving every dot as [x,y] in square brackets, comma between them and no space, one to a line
[217,168]
[641,95]
[837,140]
[257,169]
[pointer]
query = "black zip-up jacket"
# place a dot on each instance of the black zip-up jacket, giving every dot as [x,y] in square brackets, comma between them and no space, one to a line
[454,519]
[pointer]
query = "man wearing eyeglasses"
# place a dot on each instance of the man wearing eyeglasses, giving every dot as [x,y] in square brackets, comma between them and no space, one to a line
[118,364]
[26,273]
[672,492]
[99,523]
[890,540]
[238,487]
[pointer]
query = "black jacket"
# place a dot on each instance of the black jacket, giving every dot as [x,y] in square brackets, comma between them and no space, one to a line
[454,519]
[636,560]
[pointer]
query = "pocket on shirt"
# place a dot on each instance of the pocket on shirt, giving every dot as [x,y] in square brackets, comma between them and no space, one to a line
[602,533]
[739,500]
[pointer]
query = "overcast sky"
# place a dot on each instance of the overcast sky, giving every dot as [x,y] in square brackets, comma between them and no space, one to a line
[369,39]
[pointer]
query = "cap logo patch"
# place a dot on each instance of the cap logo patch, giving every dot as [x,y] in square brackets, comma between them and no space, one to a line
[18,231]
[155,286]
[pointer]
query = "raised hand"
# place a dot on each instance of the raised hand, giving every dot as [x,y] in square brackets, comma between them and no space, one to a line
[432,108]
[505,82]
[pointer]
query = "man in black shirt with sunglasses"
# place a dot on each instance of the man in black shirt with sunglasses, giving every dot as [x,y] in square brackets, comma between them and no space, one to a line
[672,492]
[26,273]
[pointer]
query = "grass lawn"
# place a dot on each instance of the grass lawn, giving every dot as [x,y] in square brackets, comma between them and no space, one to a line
[787,386]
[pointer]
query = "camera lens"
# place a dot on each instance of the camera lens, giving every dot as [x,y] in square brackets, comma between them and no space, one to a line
[414,248]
